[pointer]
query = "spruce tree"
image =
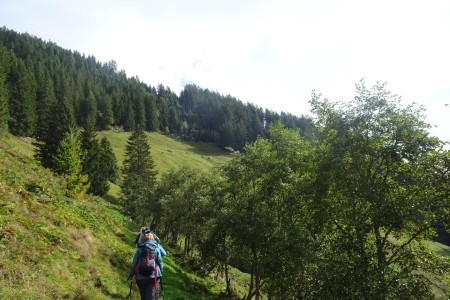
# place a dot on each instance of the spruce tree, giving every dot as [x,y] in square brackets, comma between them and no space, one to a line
[108,170]
[99,163]
[68,162]
[108,161]
[129,124]
[91,158]
[4,110]
[88,109]
[4,113]
[151,112]
[105,113]
[22,97]
[45,102]
[60,120]
[139,176]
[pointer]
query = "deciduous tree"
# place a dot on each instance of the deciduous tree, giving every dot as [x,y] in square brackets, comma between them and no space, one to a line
[383,197]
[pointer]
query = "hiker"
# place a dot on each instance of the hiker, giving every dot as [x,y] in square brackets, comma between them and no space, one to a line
[140,239]
[140,235]
[148,275]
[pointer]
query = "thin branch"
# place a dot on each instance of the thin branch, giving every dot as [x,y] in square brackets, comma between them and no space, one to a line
[445,291]
[391,259]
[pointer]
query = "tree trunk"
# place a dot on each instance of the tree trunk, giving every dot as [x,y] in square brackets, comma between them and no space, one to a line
[250,288]
[381,265]
[174,237]
[228,281]
[144,217]
[256,270]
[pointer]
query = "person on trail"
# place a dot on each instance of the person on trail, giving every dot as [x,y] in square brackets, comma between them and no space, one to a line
[149,284]
[140,239]
[140,236]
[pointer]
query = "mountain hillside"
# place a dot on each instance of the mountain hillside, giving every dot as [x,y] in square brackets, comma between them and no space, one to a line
[54,247]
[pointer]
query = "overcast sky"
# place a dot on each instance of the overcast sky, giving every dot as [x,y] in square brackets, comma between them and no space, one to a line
[270,53]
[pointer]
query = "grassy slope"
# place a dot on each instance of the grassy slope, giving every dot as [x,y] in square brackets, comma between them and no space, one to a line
[53,247]
[168,153]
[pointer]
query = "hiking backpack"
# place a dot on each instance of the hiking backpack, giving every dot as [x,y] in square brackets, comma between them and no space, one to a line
[147,260]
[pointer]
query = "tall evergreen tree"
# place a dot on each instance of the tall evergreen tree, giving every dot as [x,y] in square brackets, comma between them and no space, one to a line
[91,154]
[108,162]
[151,112]
[99,162]
[45,102]
[139,176]
[105,113]
[68,162]
[129,124]
[4,113]
[22,95]
[61,119]
[88,109]
[4,110]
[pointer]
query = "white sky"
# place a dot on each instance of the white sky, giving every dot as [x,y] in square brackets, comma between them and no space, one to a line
[270,53]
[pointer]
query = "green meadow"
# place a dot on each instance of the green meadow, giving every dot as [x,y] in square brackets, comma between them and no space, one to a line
[54,247]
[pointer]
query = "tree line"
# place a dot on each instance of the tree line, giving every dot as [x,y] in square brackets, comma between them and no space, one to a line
[344,216]
[35,74]
[49,93]
[339,205]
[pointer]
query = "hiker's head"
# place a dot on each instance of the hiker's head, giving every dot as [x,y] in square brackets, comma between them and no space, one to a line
[144,229]
[148,236]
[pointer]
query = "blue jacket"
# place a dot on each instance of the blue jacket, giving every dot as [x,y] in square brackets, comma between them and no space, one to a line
[159,263]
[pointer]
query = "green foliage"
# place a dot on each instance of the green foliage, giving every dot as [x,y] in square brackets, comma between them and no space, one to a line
[22,99]
[60,120]
[68,161]
[4,112]
[45,102]
[346,207]
[55,247]
[185,205]
[37,72]
[99,162]
[381,195]
[139,176]
[265,193]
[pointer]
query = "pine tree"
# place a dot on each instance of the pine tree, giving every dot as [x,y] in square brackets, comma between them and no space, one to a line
[60,119]
[139,175]
[88,109]
[91,157]
[99,163]
[105,114]
[108,169]
[4,110]
[45,102]
[109,161]
[151,112]
[4,113]
[68,162]
[130,119]
[22,96]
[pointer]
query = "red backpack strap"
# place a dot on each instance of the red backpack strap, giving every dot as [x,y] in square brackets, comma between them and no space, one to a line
[156,277]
